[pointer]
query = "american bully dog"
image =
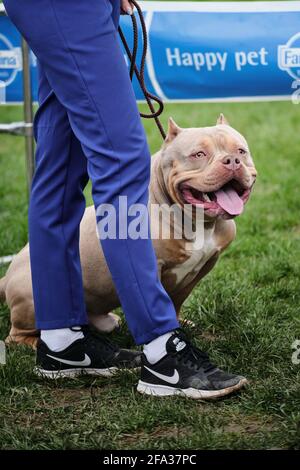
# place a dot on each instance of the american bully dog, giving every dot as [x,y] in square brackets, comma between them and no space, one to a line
[208,167]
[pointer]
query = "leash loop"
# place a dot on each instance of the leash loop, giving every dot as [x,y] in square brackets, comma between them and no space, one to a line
[140,74]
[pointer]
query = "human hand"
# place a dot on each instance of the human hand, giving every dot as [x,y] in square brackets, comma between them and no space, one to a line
[126,7]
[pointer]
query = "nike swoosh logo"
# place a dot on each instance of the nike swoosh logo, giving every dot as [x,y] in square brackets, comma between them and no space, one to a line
[86,361]
[173,379]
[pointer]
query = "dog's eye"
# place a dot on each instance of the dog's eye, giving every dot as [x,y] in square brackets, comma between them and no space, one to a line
[241,151]
[200,154]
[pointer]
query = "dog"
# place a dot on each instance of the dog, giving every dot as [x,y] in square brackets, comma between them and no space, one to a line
[208,167]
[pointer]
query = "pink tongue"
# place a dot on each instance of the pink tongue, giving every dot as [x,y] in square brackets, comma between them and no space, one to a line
[230,201]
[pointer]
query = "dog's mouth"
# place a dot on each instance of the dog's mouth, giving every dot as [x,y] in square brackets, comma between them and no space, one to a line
[228,199]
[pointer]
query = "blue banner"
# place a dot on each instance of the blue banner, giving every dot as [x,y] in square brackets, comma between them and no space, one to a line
[204,51]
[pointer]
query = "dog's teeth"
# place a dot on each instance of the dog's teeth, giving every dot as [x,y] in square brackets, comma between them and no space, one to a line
[205,197]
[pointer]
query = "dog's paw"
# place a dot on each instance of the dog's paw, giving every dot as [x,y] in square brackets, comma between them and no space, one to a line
[105,323]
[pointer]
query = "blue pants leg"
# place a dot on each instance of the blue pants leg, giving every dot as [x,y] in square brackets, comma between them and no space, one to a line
[93,104]
[56,207]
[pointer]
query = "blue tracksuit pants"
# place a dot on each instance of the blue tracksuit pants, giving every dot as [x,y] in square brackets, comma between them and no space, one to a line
[87,126]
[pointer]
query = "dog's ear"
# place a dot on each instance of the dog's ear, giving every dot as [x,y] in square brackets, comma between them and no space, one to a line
[173,130]
[222,120]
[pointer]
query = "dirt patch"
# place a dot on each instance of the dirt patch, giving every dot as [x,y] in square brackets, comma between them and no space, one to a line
[209,336]
[248,425]
[167,432]
[65,397]
[296,230]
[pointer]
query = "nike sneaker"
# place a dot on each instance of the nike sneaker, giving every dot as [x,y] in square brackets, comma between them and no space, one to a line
[91,355]
[187,371]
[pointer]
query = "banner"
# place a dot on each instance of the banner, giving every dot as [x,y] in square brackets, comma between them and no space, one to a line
[198,51]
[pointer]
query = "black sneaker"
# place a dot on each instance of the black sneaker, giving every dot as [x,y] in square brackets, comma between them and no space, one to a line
[186,371]
[92,355]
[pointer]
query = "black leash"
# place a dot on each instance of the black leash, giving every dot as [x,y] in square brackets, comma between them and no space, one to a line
[140,73]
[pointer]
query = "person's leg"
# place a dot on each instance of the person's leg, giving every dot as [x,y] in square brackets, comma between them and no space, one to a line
[78,44]
[56,207]
[66,347]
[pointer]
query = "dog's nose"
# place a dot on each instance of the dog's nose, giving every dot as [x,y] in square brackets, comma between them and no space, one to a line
[232,163]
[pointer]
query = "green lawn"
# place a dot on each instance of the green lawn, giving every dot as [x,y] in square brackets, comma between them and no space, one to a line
[246,314]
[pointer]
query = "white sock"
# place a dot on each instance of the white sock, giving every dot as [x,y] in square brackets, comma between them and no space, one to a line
[61,338]
[156,349]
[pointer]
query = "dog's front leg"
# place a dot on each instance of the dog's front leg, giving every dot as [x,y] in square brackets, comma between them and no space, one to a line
[179,297]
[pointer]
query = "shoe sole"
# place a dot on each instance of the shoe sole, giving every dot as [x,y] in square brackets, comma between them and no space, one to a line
[164,391]
[72,373]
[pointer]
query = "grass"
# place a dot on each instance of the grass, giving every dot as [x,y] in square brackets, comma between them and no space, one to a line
[246,314]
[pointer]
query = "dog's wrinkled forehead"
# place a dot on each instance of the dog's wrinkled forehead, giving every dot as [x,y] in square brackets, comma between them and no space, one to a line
[200,147]
[214,140]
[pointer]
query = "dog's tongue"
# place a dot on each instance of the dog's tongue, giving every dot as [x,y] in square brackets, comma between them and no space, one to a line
[230,201]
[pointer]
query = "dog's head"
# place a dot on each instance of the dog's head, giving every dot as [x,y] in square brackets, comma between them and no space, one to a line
[210,167]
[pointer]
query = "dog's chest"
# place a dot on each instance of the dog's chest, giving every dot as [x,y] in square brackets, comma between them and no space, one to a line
[184,273]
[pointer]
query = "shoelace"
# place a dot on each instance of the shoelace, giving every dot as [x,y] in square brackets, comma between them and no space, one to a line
[194,356]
